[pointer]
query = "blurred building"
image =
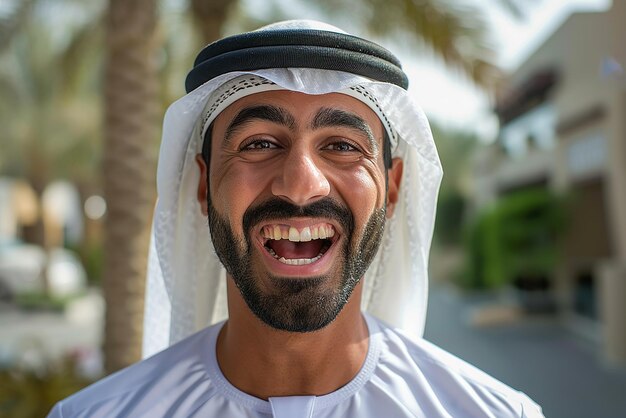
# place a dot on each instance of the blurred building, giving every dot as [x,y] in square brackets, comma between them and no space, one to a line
[563,127]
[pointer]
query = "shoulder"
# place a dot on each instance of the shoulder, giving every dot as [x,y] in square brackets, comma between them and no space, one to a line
[445,384]
[158,383]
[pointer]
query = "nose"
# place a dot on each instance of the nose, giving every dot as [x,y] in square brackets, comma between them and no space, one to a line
[301,181]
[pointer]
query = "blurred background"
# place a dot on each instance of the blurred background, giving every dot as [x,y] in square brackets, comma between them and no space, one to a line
[526,99]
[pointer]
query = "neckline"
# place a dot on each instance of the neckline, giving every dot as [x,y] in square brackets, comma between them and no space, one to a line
[231,392]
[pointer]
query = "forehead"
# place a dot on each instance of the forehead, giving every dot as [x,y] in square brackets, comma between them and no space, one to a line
[303,107]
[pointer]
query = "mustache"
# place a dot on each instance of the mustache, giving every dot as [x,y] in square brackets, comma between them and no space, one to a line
[276,208]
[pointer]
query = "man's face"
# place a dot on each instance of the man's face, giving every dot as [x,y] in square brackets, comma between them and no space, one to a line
[296,202]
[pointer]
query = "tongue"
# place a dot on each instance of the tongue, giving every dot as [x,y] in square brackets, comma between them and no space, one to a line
[292,250]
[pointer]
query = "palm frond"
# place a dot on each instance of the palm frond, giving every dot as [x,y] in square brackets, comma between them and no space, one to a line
[13,14]
[456,33]
[81,59]
[210,16]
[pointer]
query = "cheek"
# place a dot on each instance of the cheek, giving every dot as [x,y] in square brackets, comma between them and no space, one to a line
[236,189]
[363,190]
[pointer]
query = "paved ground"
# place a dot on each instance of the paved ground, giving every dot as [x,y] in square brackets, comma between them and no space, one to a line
[37,337]
[562,372]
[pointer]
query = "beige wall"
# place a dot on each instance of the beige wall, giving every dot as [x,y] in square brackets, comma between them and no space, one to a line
[576,51]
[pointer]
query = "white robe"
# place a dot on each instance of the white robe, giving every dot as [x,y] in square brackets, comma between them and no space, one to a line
[401,377]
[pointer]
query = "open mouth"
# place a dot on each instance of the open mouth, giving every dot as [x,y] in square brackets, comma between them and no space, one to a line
[297,247]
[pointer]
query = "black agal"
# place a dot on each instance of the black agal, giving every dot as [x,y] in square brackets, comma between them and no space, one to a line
[299,48]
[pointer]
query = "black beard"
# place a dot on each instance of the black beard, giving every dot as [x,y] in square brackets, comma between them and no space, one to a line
[296,305]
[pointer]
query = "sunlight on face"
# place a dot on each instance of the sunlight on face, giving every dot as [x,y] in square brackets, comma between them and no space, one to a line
[296,206]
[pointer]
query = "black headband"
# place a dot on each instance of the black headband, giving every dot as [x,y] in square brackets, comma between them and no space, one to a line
[299,48]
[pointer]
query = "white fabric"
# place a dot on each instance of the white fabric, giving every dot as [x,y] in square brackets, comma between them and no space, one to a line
[292,406]
[245,85]
[186,282]
[401,377]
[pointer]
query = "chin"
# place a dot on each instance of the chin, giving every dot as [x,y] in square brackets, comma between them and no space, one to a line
[305,304]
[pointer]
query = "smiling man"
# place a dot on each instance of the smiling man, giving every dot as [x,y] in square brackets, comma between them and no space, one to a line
[297,203]
[318,176]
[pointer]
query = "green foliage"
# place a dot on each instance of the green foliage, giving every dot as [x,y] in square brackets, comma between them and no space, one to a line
[38,301]
[454,149]
[27,393]
[517,238]
[50,95]
[91,256]
[448,224]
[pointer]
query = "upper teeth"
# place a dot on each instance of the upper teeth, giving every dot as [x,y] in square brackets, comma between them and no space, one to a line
[307,233]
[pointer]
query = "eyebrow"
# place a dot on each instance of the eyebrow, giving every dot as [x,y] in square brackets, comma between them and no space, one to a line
[260,112]
[329,117]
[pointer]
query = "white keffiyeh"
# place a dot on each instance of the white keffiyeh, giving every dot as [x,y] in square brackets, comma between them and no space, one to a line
[186,284]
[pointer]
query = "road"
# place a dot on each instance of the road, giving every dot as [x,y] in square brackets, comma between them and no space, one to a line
[562,372]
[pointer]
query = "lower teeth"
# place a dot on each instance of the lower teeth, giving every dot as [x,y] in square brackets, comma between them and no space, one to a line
[297,261]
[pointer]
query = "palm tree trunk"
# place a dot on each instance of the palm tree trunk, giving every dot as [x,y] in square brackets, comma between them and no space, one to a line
[131,105]
[209,17]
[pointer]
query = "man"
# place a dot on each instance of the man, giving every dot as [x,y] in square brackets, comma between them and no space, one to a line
[318,176]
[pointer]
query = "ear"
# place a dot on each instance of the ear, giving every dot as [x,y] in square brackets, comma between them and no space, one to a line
[202,185]
[393,186]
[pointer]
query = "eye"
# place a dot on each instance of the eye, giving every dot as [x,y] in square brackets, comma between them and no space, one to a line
[341,146]
[258,144]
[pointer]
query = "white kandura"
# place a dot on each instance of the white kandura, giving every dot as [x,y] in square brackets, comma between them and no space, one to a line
[401,377]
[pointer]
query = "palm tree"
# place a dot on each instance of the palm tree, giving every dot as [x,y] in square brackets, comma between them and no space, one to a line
[49,120]
[49,108]
[209,17]
[48,94]
[131,120]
